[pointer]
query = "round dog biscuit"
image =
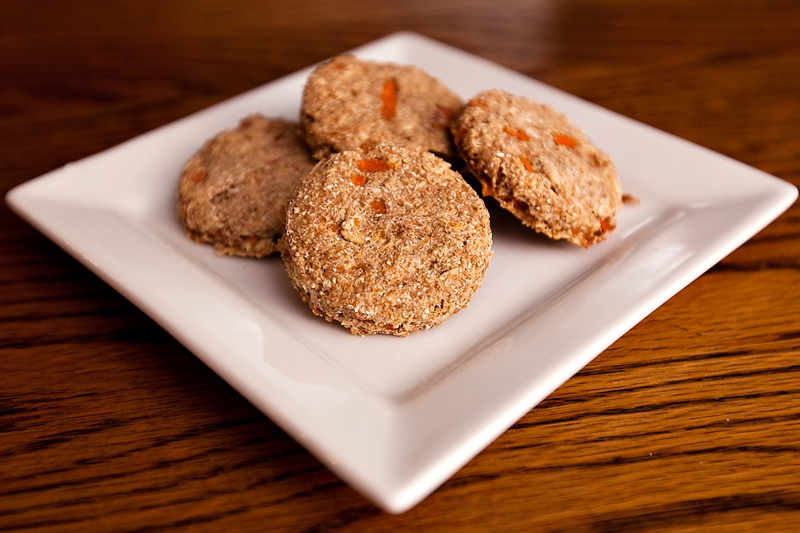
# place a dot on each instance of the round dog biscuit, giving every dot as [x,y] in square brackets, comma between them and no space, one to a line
[386,240]
[352,103]
[233,192]
[539,166]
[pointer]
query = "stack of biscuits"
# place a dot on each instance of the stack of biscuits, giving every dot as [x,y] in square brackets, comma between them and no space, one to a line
[376,230]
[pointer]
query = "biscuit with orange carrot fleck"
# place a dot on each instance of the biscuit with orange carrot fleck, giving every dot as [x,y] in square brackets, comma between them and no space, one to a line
[352,103]
[387,240]
[539,166]
[234,190]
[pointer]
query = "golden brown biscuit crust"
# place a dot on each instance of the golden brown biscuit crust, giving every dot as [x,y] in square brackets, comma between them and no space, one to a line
[386,240]
[539,166]
[233,192]
[350,103]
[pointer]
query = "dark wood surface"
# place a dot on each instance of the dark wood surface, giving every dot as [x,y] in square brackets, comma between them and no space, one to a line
[691,421]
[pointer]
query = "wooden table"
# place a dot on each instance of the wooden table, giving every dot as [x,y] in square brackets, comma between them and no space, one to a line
[691,421]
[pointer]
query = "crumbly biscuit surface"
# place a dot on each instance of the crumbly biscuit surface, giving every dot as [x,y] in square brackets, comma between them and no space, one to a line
[350,103]
[386,240]
[539,166]
[233,192]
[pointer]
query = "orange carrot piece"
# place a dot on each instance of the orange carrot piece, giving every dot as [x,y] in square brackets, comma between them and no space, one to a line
[389,96]
[564,140]
[379,206]
[372,165]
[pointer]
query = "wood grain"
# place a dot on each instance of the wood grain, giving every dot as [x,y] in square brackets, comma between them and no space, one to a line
[690,422]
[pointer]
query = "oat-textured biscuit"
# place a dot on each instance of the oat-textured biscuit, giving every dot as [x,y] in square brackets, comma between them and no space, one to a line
[352,103]
[539,166]
[386,240]
[233,192]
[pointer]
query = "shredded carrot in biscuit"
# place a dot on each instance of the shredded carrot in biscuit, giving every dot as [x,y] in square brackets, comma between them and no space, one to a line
[358,179]
[372,165]
[389,97]
[564,140]
[526,163]
[519,134]
[379,206]
[608,224]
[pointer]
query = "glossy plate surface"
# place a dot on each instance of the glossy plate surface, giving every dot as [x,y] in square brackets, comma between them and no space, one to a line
[397,417]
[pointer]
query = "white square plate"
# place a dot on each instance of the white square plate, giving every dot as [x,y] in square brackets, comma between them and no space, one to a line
[395,417]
